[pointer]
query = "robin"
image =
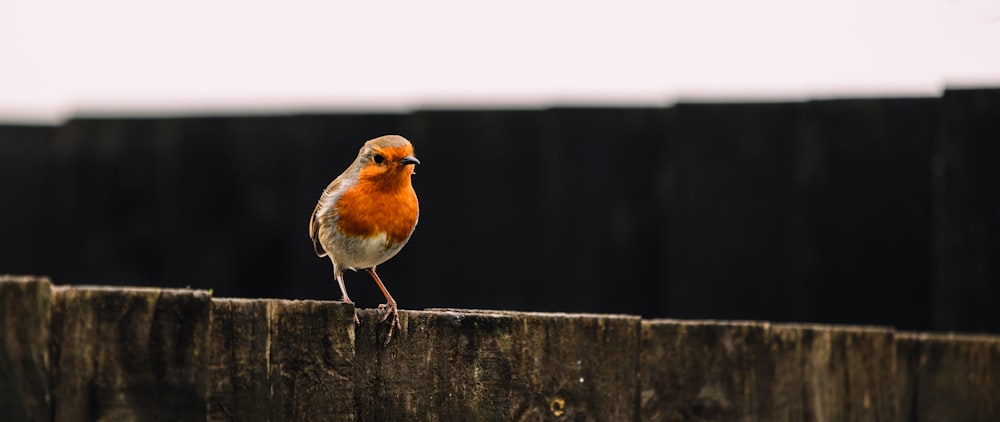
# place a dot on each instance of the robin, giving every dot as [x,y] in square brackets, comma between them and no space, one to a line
[366,215]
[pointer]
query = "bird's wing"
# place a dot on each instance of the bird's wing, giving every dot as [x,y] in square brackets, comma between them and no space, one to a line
[313,219]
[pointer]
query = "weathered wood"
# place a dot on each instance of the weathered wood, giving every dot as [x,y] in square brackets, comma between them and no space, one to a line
[575,366]
[281,360]
[238,383]
[92,353]
[480,365]
[709,370]
[700,370]
[311,355]
[948,377]
[24,339]
[840,372]
[129,354]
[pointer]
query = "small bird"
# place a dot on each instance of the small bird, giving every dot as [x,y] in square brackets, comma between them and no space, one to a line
[366,215]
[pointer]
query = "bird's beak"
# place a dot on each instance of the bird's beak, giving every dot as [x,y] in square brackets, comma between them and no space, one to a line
[409,159]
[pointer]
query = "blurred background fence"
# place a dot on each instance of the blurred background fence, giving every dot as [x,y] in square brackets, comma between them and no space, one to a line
[874,211]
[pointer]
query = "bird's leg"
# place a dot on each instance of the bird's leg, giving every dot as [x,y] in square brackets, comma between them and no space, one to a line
[343,291]
[391,313]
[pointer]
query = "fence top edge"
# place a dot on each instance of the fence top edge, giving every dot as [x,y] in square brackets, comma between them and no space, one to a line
[951,337]
[533,314]
[127,289]
[769,325]
[870,329]
[279,301]
[24,278]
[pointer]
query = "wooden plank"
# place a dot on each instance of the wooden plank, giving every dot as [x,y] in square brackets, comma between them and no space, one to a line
[486,365]
[238,383]
[701,370]
[129,354]
[709,370]
[310,360]
[25,304]
[438,365]
[575,366]
[281,360]
[949,377]
[840,372]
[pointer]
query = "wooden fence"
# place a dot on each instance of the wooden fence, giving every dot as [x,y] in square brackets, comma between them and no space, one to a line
[97,353]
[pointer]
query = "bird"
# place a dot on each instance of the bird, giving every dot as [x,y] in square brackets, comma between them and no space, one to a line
[367,214]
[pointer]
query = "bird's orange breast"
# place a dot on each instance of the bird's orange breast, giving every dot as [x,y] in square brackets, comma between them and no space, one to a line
[372,207]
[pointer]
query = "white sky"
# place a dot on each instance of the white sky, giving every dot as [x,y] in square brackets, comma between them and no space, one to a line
[139,57]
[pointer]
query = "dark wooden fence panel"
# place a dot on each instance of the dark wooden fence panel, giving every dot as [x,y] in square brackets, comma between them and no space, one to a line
[791,208]
[966,179]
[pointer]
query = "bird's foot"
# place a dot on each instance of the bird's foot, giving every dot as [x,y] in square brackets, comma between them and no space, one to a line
[357,321]
[391,315]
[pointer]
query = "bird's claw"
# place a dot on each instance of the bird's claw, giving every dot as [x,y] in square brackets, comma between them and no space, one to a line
[357,321]
[391,315]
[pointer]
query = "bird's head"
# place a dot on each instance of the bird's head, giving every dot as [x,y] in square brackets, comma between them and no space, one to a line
[387,160]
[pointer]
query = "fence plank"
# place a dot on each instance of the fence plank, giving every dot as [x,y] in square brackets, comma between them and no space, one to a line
[311,358]
[129,354]
[24,337]
[700,370]
[710,370]
[575,366]
[841,373]
[497,366]
[238,383]
[949,377]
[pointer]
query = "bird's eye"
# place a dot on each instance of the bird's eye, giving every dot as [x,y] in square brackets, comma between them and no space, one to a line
[378,158]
